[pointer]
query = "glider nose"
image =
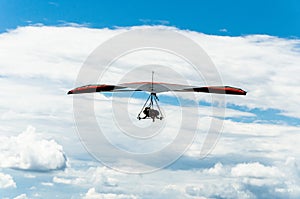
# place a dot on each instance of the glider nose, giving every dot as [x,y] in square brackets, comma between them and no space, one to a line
[70,92]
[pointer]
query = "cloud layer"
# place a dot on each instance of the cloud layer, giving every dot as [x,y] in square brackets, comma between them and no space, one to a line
[241,180]
[251,160]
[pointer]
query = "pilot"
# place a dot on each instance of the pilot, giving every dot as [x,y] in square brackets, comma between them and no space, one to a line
[146,112]
[154,113]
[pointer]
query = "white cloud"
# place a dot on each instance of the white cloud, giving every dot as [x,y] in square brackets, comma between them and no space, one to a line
[48,184]
[261,64]
[223,30]
[59,56]
[29,151]
[173,191]
[62,180]
[219,190]
[241,180]
[92,194]
[6,181]
[22,196]
[246,180]
[250,142]
[29,175]
[96,176]
[255,170]
[216,170]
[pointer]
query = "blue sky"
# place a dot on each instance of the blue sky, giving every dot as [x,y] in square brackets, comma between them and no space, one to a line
[254,45]
[272,17]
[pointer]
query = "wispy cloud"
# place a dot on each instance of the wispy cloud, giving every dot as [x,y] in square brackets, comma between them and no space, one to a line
[52,3]
[223,30]
[22,196]
[73,24]
[154,22]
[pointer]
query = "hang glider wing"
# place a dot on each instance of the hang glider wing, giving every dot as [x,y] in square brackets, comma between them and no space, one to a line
[216,89]
[156,87]
[98,88]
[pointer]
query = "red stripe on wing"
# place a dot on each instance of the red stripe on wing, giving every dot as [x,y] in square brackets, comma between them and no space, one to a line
[93,88]
[220,90]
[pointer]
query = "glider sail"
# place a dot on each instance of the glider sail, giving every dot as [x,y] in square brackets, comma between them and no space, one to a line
[217,89]
[153,88]
[156,87]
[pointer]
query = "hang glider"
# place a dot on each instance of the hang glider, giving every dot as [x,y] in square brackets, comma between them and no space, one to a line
[156,87]
[153,88]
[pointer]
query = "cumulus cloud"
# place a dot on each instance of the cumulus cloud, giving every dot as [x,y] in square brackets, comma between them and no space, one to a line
[92,194]
[223,189]
[216,170]
[255,170]
[249,180]
[6,181]
[29,151]
[221,180]
[96,176]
